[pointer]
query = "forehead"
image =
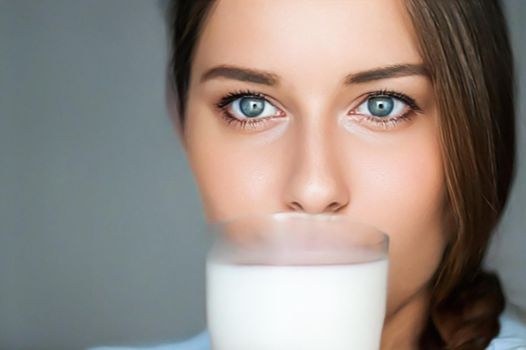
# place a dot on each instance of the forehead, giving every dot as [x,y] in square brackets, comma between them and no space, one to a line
[307,40]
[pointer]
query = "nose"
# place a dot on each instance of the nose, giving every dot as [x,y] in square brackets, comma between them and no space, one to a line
[316,183]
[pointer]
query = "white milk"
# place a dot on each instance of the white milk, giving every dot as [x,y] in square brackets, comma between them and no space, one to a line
[265,307]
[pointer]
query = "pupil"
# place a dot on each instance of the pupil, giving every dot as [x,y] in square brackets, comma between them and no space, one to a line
[380,106]
[251,106]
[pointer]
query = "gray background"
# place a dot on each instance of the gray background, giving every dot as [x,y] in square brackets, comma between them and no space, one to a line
[101,233]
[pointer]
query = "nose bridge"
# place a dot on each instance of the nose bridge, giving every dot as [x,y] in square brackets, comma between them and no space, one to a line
[316,182]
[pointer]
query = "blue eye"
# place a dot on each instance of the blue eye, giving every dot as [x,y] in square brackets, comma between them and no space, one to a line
[382,106]
[385,109]
[251,107]
[248,109]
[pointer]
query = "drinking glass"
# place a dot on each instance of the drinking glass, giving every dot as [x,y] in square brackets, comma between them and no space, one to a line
[294,281]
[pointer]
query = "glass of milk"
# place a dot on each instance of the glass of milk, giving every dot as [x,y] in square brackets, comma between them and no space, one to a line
[292,281]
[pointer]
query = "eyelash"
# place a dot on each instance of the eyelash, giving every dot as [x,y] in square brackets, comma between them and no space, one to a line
[233,121]
[384,123]
[388,123]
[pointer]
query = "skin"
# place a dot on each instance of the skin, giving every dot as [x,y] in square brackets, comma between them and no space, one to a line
[314,155]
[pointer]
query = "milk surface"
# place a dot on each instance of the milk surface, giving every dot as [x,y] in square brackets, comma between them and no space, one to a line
[270,307]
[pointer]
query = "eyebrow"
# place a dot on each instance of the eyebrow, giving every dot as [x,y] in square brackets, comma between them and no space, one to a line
[242,74]
[272,79]
[395,71]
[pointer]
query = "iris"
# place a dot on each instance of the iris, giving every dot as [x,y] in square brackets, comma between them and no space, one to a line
[251,106]
[380,106]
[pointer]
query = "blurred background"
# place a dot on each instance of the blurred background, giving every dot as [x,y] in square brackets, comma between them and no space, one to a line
[102,237]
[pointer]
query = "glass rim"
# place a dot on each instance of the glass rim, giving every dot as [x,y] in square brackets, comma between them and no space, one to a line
[216,225]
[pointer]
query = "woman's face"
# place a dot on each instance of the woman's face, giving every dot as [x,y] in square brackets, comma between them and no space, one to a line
[320,107]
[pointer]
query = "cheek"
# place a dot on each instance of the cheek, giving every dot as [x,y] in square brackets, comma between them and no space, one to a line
[235,185]
[235,176]
[399,187]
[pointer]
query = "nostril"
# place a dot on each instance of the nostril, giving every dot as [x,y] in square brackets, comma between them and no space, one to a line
[334,206]
[296,206]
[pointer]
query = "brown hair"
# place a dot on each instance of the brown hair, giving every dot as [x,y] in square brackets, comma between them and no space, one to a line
[185,19]
[465,46]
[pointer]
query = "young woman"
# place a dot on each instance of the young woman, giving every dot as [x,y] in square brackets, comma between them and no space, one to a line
[397,113]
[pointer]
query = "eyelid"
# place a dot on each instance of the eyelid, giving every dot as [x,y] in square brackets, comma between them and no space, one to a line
[407,100]
[397,95]
[388,122]
[237,94]
[234,95]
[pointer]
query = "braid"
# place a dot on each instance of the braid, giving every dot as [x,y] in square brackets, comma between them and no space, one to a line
[468,318]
